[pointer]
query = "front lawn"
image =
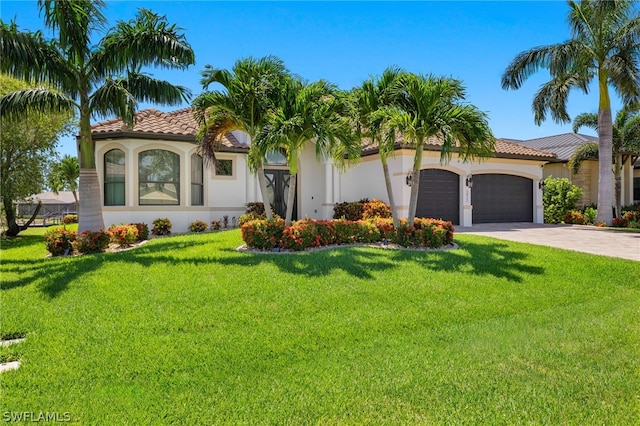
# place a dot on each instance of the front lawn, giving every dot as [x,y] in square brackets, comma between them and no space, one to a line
[187,330]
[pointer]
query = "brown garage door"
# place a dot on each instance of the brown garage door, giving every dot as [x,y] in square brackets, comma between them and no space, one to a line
[502,198]
[439,195]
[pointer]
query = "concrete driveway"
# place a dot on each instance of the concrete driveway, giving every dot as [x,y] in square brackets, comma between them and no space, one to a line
[586,239]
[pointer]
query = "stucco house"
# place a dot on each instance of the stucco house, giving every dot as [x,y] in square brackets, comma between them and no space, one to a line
[563,146]
[153,170]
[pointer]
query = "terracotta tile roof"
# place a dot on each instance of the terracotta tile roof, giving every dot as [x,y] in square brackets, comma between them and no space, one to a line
[505,148]
[181,125]
[177,125]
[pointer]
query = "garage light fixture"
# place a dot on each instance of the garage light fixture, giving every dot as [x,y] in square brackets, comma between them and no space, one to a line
[469,181]
[409,179]
[541,185]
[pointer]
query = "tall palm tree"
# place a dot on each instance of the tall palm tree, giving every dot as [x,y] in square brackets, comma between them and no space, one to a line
[625,144]
[314,112]
[604,45]
[64,176]
[249,90]
[433,107]
[102,79]
[372,97]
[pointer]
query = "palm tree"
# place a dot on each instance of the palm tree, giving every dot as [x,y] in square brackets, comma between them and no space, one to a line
[432,107]
[371,100]
[309,112]
[604,44]
[64,176]
[249,91]
[626,144]
[102,79]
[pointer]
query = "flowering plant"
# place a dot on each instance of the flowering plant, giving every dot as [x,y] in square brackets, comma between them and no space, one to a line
[59,241]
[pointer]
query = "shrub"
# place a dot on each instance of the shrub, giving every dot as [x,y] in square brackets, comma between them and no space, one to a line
[559,197]
[59,241]
[263,234]
[300,235]
[198,226]
[161,226]
[248,217]
[631,219]
[631,208]
[348,211]
[69,219]
[143,231]
[375,209]
[258,209]
[345,231]
[574,217]
[216,225]
[124,235]
[92,242]
[590,215]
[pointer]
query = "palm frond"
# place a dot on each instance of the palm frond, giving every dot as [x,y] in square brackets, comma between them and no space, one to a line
[40,100]
[587,151]
[147,40]
[585,119]
[74,21]
[147,89]
[28,56]
[114,98]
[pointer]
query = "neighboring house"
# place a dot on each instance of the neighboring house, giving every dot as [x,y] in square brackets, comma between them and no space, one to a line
[564,146]
[153,170]
[53,205]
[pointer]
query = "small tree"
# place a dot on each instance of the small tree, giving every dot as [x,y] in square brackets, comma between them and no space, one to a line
[26,146]
[64,176]
[560,197]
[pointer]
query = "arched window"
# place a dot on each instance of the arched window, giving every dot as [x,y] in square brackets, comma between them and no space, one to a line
[158,177]
[197,181]
[114,182]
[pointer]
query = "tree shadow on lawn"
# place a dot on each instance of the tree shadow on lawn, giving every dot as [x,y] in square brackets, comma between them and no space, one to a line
[492,258]
[57,274]
[358,262]
[488,258]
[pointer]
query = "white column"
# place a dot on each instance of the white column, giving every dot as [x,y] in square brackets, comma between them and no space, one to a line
[329,200]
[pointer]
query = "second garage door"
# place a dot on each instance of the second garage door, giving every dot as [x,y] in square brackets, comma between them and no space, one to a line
[439,195]
[500,198]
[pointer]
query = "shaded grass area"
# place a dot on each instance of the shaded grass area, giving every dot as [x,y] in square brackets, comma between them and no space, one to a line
[187,330]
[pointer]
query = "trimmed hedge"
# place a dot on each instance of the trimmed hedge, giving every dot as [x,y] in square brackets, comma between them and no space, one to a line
[309,233]
[59,241]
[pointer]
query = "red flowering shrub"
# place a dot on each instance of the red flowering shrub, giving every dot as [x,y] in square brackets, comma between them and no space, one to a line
[375,209]
[69,219]
[92,242]
[262,234]
[123,235]
[307,233]
[59,241]
[631,219]
[143,231]
[300,235]
[574,217]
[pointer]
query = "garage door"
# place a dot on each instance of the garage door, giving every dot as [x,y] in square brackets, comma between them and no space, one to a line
[502,198]
[439,195]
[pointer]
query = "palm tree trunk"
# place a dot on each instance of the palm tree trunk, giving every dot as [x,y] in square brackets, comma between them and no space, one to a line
[90,212]
[618,184]
[291,198]
[415,181]
[90,208]
[605,135]
[387,182]
[262,181]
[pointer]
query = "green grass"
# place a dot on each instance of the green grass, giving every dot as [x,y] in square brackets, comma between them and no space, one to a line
[186,330]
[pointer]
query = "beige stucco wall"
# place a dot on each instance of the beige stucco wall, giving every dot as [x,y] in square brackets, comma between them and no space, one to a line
[223,195]
[366,179]
[587,180]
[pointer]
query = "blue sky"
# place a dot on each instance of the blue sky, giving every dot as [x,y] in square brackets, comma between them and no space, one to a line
[348,42]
